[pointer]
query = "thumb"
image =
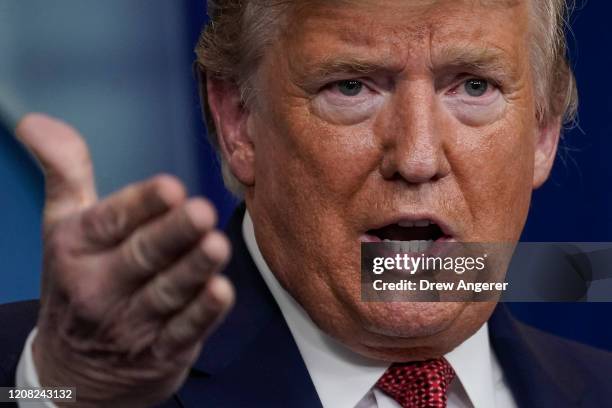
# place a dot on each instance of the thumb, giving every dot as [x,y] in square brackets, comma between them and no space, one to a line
[65,160]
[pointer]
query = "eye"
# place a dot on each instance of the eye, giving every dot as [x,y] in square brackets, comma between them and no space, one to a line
[348,101]
[475,101]
[349,87]
[476,87]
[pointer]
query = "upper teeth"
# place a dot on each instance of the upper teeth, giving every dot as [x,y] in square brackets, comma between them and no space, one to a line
[411,246]
[417,223]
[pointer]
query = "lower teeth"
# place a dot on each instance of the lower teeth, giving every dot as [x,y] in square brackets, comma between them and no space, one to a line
[412,246]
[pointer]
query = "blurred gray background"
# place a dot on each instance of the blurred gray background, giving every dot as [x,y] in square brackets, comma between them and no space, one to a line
[117,70]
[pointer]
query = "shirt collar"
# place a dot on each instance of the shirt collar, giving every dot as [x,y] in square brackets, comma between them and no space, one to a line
[474,364]
[342,377]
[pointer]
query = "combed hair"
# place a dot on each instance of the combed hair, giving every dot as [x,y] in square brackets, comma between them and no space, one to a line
[233,42]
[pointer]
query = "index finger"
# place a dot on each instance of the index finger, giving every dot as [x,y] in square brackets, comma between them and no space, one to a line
[115,218]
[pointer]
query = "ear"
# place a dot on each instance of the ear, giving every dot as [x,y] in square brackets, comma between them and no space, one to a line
[231,117]
[547,140]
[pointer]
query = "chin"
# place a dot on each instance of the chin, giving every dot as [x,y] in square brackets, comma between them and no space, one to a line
[411,331]
[409,320]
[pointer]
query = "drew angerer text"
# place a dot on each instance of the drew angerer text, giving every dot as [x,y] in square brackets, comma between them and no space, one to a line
[426,285]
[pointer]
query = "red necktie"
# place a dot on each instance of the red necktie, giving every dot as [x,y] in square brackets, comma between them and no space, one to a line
[421,384]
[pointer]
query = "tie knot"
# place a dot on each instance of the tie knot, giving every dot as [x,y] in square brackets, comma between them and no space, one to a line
[420,384]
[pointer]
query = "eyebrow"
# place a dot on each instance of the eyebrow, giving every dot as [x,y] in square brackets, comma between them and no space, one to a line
[479,60]
[309,75]
[484,60]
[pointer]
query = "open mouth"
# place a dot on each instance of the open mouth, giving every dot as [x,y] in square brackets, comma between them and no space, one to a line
[417,235]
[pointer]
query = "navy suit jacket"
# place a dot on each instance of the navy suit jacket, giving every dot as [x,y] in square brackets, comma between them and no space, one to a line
[252,359]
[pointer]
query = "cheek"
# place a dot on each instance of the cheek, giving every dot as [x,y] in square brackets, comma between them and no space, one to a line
[322,159]
[494,169]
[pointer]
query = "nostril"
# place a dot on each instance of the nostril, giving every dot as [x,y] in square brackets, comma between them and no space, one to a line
[413,172]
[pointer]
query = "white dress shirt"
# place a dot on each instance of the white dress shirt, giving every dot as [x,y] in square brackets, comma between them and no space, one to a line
[342,378]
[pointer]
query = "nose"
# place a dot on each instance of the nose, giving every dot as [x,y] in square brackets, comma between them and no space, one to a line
[413,135]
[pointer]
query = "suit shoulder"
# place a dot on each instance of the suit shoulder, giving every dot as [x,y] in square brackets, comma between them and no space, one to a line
[16,322]
[568,355]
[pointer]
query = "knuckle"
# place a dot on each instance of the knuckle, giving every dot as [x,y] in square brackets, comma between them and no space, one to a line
[85,304]
[200,262]
[178,333]
[196,317]
[192,276]
[166,346]
[104,223]
[164,297]
[138,253]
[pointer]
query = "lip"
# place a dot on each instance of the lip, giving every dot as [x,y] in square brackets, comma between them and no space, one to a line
[447,230]
[437,249]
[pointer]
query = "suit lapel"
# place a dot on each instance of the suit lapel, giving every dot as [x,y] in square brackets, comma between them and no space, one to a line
[252,358]
[536,378]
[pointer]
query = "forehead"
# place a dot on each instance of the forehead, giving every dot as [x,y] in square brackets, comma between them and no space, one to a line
[399,29]
[413,14]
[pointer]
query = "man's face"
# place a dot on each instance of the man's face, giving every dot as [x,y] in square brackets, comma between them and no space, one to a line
[372,114]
